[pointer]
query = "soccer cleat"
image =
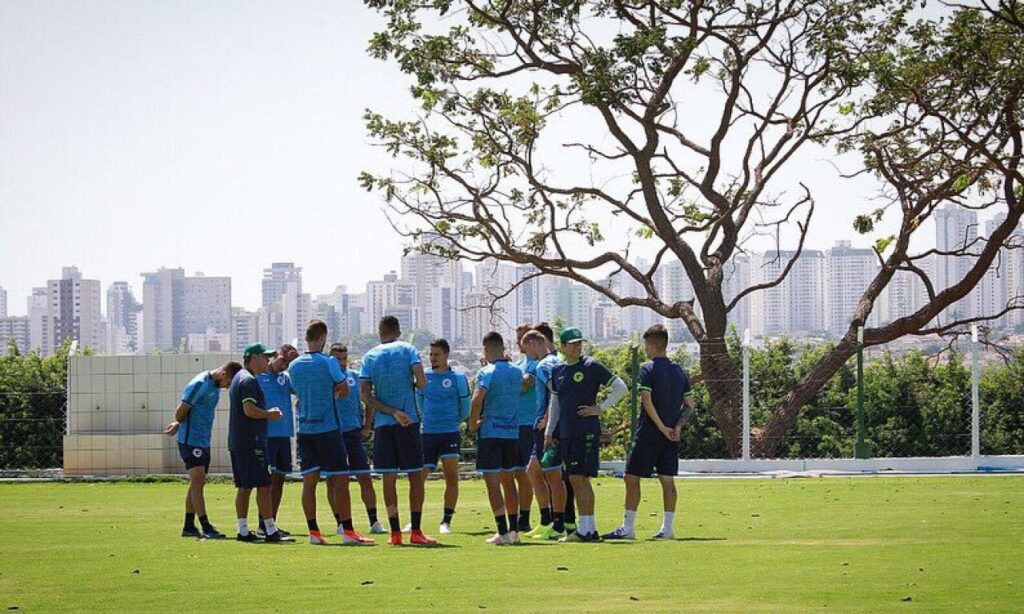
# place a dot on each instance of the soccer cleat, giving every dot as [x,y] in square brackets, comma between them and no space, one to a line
[513,538]
[666,535]
[576,537]
[407,528]
[620,533]
[538,531]
[377,529]
[274,538]
[250,537]
[570,527]
[213,533]
[445,529]
[549,532]
[418,538]
[396,538]
[593,536]
[354,538]
[524,527]
[191,532]
[317,539]
[498,540]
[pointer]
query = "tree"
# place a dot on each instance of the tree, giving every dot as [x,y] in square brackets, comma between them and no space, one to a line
[490,162]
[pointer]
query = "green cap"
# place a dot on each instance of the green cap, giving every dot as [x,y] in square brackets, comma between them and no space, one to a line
[255,348]
[571,335]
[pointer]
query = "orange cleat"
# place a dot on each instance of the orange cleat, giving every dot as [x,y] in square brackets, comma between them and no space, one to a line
[354,538]
[396,538]
[418,538]
[317,539]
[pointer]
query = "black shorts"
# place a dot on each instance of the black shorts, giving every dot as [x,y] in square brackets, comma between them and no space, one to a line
[249,468]
[397,449]
[194,457]
[495,455]
[653,452]
[323,452]
[279,454]
[581,454]
[439,446]
[358,463]
[525,446]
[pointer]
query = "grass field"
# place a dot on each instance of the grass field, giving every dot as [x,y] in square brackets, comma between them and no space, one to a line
[872,544]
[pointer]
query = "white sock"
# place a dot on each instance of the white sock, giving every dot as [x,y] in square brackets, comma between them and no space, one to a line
[270,526]
[589,524]
[666,524]
[243,526]
[629,523]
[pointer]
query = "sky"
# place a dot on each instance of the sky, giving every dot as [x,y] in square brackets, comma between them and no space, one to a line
[215,136]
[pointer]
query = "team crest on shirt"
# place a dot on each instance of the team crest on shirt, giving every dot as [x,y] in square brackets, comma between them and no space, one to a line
[281,379]
[446,383]
[351,382]
[577,377]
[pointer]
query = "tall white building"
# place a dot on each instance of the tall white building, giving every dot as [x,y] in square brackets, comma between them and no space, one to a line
[296,309]
[496,280]
[17,329]
[276,280]
[75,309]
[122,319]
[244,328]
[437,282]
[391,297]
[956,228]
[175,306]
[848,271]
[674,286]
[794,306]
[736,277]
[40,322]
[3,302]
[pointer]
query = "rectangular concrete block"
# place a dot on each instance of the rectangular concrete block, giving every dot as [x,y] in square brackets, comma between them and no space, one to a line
[125,365]
[140,382]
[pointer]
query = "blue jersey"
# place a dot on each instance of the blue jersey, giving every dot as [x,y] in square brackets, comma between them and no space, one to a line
[201,395]
[351,407]
[389,367]
[245,433]
[502,381]
[576,385]
[444,403]
[527,414]
[543,374]
[277,390]
[313,377]
[668,384]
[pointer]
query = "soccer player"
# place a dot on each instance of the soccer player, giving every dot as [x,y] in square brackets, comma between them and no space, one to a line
[277,390]
[318,382]
[494,413]
[247,442]
[526,417]
[668,401]
[547,481]
[352,434]
[444,404]
[193,424]
[574,424]
[389,373]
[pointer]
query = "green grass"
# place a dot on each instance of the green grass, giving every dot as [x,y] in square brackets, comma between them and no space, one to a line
[789,545]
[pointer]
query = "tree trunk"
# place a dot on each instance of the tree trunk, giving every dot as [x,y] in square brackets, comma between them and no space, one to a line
[725,386]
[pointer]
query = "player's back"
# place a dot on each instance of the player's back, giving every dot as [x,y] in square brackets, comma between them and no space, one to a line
[313,379]
[502,380]
[389,367]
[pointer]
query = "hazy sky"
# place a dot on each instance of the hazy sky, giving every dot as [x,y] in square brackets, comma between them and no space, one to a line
[216,136]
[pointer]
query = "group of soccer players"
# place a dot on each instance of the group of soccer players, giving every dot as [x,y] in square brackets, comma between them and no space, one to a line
[537,423]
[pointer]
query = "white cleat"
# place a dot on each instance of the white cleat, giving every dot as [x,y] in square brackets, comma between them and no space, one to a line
[513,538]
[407,528]
[377,528]
[445,529]
[352,538]
[499,540]
[318,540]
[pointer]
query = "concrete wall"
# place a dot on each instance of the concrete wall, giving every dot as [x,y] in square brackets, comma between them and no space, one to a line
[118,407]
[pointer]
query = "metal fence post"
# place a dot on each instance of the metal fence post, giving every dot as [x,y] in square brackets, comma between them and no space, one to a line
[860,448]
[746,394]
[634,396]
[975,397]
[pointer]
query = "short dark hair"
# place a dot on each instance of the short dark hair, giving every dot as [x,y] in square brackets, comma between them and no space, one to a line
[658,335]
[232,368]
[389,326]
[338,347]
[545,329]
[532,335]
[315,330]
[287,347]
[442,344]
[522,329]
[494,341]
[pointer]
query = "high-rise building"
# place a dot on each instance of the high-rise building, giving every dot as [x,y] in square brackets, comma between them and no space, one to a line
[736,277]
[276,280]
[270,325]
[956,229]
[40,322]
[3,302]
[296,309]
[795,305]
[122,319]
[437,288]
[75,309]
[848,272]
[674,286]
[497,280]
[244,325]
[17,329]
[175,306]
[391,297]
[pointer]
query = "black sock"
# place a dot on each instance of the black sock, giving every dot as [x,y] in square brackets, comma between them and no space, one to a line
[416,518]
[205,523]
[347,525]
[190,520]
[502,524]
[448,513]
[524,518]
[545,516]
[372,513]
[337,518]
[570,501]
[393,521]
[263,526]
[513,521]
[312,525]
[558,521]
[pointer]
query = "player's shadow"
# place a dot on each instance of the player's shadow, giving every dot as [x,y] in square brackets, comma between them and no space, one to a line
[690,539]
